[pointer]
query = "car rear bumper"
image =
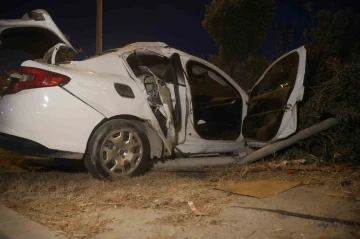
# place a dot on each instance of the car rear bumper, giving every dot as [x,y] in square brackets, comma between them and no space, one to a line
[28,147]
[51,117]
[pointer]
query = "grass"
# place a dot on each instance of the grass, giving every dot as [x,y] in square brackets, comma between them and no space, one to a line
[76,204]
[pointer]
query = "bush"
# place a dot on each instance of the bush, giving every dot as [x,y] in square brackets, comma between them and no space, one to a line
[333,83]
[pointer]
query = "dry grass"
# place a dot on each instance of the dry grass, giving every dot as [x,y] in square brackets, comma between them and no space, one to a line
[76,204]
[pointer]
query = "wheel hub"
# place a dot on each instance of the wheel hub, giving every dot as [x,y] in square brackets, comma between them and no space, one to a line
[122,151]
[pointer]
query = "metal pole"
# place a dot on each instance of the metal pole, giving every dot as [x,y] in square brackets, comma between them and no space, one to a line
[195,162]
[302,134]
[99,27]
[252,157]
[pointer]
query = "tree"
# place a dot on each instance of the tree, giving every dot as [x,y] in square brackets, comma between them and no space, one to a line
[251,70]
[286,37]
[227,67]
[238,27]
[332,82]
[246,73]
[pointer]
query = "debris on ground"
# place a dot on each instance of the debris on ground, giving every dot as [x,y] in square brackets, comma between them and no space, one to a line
[260,189]
[295,161]
[194,209]
[338,194]
[278,230]
[242,152]
[323,225]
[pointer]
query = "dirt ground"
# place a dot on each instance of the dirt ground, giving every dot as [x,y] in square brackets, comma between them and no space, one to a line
[62,196]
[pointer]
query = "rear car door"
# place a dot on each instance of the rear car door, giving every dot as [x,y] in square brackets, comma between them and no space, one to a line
[272,105]
[163,83]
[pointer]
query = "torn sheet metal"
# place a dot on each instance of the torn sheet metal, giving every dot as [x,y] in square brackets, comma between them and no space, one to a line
[260,189]
[166,108]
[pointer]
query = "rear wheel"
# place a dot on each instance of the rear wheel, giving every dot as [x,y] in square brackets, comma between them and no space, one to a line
[118,148]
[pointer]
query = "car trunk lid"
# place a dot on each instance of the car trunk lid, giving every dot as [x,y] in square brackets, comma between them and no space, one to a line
[35,33]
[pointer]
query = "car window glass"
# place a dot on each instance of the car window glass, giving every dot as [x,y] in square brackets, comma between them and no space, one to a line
[205,81]
[282,74]
[216,78]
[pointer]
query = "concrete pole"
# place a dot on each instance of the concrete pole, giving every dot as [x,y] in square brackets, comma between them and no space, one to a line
[252,157]
[99,27]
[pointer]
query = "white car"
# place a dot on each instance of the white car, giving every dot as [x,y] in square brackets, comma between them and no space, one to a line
[123,109]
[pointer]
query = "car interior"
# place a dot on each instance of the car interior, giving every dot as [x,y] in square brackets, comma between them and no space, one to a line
[268,100]
[217,107]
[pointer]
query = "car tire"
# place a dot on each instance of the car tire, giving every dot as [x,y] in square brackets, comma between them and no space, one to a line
[118,148]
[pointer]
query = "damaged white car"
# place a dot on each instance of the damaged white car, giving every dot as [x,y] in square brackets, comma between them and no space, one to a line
[125,109]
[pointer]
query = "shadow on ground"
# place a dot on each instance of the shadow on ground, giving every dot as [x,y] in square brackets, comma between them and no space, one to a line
[57,165]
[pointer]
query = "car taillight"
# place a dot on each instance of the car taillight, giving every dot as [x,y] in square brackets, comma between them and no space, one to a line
[30,78]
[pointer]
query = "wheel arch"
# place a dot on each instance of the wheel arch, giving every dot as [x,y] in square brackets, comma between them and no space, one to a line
[156,144]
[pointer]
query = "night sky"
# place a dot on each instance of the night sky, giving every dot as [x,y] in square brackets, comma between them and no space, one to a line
[176,22]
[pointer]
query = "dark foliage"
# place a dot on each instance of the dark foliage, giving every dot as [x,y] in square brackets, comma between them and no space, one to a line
[333,83]
[238,27]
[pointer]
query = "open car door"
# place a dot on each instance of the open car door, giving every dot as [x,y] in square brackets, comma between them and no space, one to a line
[272,106]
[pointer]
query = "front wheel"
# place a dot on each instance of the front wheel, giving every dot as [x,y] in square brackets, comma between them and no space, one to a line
[118,148]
